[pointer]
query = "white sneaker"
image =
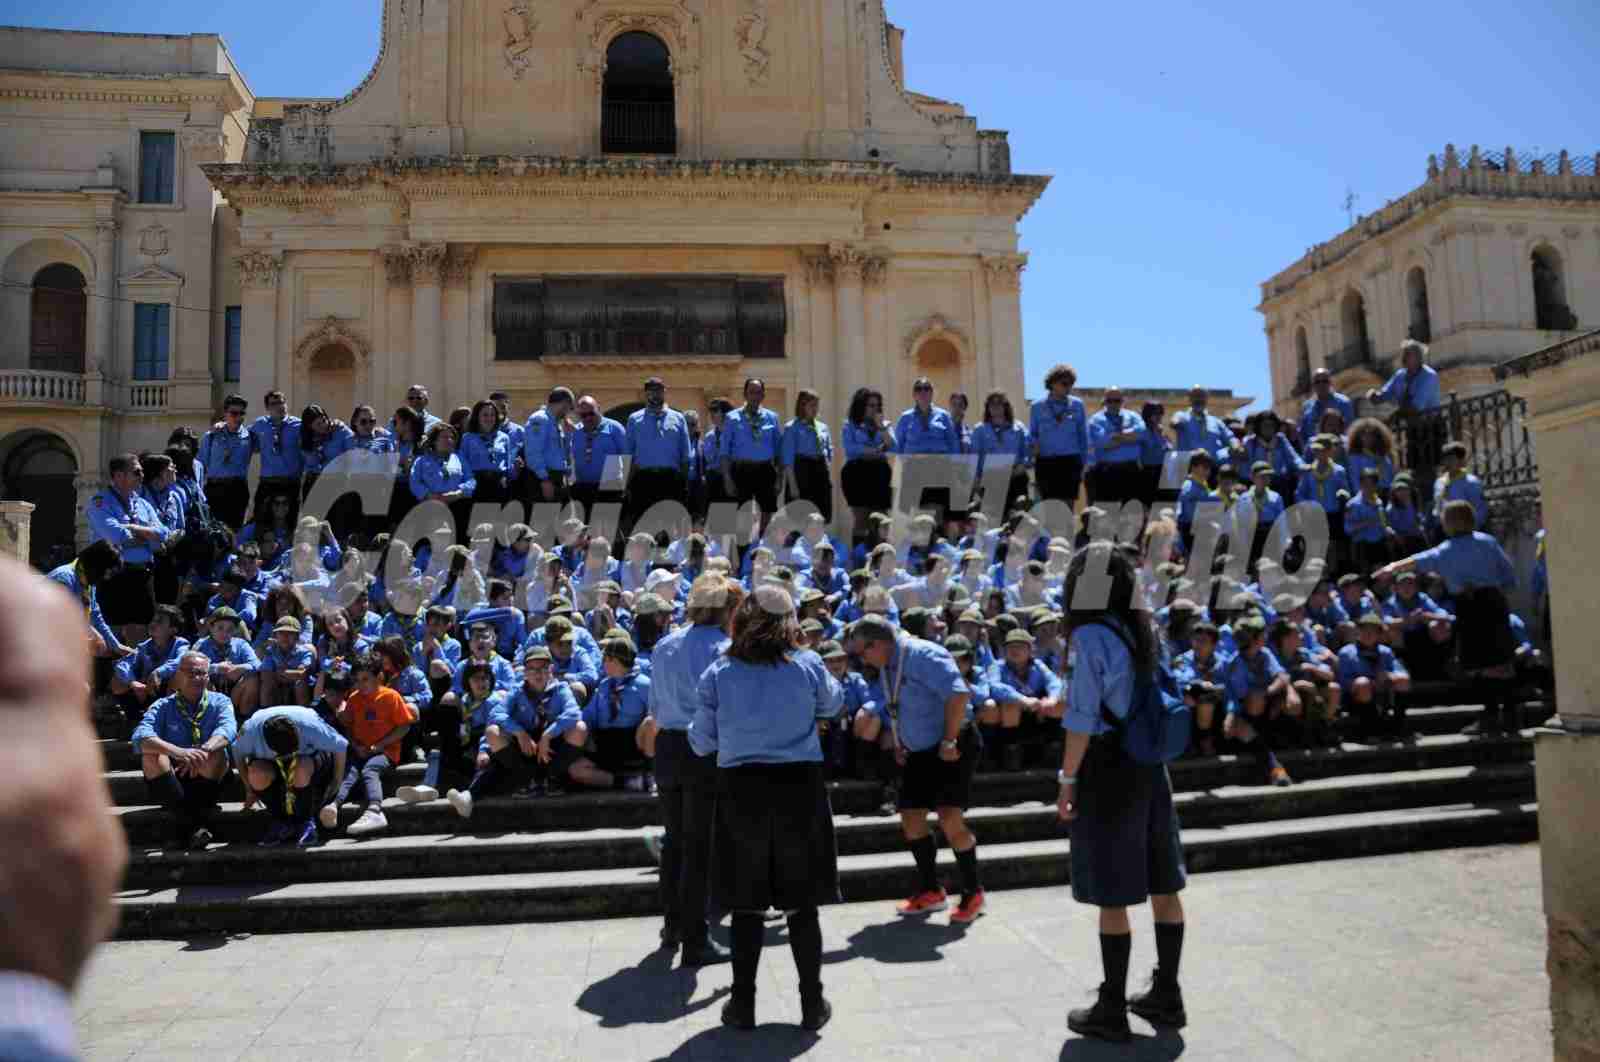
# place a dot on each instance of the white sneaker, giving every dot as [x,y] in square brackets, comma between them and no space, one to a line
[462,802]
[417,794]
[371,821]
[635,783]
[329,816]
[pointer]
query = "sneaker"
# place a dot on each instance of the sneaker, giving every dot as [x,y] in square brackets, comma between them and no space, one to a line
[891,801]
[329,816]
[968,910]
[532,791]
[652,844]
[815,1013]
[924,903]
[636,783]
[1279,777]
[278,832]
[1160,1005]
[1103,1021]
[199,839]
[417,794]
[371,821]
[705,953]
[462,802]
[739,1014]
[305,836]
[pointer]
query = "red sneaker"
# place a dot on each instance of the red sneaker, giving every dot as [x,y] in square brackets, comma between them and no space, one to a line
[924,903]
[968,910]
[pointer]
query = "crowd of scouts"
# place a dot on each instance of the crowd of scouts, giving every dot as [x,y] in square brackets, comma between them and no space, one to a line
[236,635]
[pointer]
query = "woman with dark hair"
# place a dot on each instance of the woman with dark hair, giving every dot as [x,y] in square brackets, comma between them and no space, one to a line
[1125,846]
[1154,446]
[807,455]
[407,433]
[321,440]
[459,419]
[1370,444]
[486,451]
[438,475]
[1266,442]
[1001,441]
[757,711]
[868,444]
[372,464]
[1058,436]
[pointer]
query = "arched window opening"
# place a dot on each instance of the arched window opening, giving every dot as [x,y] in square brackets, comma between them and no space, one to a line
[58,320]
[1355,344]
[39,468]
[1302,362]
[638,115]
[1550,309]
[940,361]
[331,380]
[1420,323]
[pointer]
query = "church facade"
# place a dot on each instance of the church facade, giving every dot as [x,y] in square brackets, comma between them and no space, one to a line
[521,193]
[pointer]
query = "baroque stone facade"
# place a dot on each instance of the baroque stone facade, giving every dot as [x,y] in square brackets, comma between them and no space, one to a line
[373,241]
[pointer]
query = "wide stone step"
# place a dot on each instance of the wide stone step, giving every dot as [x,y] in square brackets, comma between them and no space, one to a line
[429,840]
[617,810]
[632,891]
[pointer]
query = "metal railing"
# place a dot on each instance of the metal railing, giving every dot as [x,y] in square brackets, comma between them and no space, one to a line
[1493,426]
[1353,356]
[31,385]
[638,128]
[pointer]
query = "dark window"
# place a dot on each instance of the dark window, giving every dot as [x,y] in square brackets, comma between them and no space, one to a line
[232,318]
[57,320]
[1420,326]
[158,166]
[578,316]
[1550,309]
[636,100]
[151,335]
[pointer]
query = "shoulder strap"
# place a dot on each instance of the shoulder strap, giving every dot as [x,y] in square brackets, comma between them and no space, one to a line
[1107,715]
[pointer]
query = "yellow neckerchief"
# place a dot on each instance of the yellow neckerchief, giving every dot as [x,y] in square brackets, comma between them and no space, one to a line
[1377,504]
[192,720]
[287,769]
[1321,476]
[1451,477]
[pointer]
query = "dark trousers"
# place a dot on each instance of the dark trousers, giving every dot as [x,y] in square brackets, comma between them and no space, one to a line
[686,785]
[228,500]
[586,496]
[1059,478]
[816,484]
[441,732]
[369,772]
[128,596]
[649,486]
[1118,483]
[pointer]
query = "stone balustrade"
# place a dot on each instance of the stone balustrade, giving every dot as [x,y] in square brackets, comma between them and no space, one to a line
[43,388]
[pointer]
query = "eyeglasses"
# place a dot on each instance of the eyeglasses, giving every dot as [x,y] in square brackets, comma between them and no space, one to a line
[233,412]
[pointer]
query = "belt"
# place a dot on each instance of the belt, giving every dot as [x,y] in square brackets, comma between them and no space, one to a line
[811,457]
[753,464]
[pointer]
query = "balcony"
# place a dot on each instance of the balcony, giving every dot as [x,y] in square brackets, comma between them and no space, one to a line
[1356,355]
[628,128]
[36,388]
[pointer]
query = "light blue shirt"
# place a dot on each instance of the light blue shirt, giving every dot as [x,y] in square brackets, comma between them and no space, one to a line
[1420,393]
[1357,663]
[1246,674]
[746,438]
[1190,497]
[753,713]
[1354,463]
[799,440]
[488,454]
[863,440]
[1103,425]
[1037,681]
[316,737]
[67,576]
[174,720]
[149,659]
[1363,520]
[711,453]
[278,443]
[110,518]
[1003,446]
[1468,488]
[505,677]
[237,651]
[1280,454]
[659,439]
[619,703]
[930,679]
[554,710]
[1202,431]
[1325,492]
[1403,519]
[597,455]
[1312,410]
[1060,429]
[933,433]
[545,445]
[226,454]
[1101,677]
[1468,562]
[432,474]
[677,663]
[322,454]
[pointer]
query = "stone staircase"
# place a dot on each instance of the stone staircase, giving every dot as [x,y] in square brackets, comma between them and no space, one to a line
[584,855]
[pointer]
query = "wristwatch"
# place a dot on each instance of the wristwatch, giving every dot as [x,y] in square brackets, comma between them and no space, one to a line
[950,743]
[1066,779]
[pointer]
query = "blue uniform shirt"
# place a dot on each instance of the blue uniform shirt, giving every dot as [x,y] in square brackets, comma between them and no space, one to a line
[1202,431]
[554,710]
[1247,675]
[1323,491]
[1468,488]
[1355,463]
[408,627]
[316,736]
[1060,429]
[169,504]
[510,627]
[1004,446]
[1188,668]
[1190,497]
[1280,454]
[677,663]
[149,659]
[1364,520]
[545,444]
[1312,410]
[226,454]
[1468,562]
[278,443]
[488,454]
[505,676]
[1102,676]
[1419,392]
[805,440]
[929,679]
[1403,519]
[1355,663]
[432,474]
[933,434]
[299,658]
[597,455]
[754,713]
[412,684]
[747,438]
[69,576]
[1103,425]
[322,454]
[237,651]
[619,703]
[863,439]
[188,726]
[110,517]
[658,439]
[710,462]
[1039,681]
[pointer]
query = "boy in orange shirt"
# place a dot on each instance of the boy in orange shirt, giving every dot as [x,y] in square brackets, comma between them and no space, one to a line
[376,718]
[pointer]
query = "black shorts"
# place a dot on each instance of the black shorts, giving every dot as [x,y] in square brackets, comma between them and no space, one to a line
[1125,842]
[128,596]
[1060,477]
[868,485]
[758,480]
[928,782]
[615,748]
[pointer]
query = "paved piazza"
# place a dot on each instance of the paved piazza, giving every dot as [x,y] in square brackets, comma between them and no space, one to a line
[1432,956]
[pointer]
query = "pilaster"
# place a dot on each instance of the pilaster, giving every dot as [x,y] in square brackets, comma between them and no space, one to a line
[427,308]
[259,354]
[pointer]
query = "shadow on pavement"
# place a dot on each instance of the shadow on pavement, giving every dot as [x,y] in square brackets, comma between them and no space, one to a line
[903,940]
[652,992]
[1164,1046]
[769,1043]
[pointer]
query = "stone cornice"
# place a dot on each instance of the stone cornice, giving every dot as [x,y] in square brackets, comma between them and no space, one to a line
[93,87]
[1548,357]
[659,364]
[295,186]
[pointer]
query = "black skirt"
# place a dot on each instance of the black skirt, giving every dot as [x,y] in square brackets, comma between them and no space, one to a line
[1483,630]
[1125,842]
[867,485]
[774,839]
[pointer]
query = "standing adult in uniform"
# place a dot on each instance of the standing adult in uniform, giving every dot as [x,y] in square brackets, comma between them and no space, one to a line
[658,446]
[1124,829]
[807,454]
[225,455]
[1115,442]
[929,707]
[1000,440]
[687,782]
[547,448]
[867,475]
[927,429]
[121,516]
[276,438]
[757,711]
[713,485]
[1058,430]
[598,447]
[750,441]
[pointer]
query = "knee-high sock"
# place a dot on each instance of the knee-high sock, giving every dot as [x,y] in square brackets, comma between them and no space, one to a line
[201,796]
[926,852]
[967,867]
[748,930]
[1169,950]
[166,790]
[1115,951]
[805,943]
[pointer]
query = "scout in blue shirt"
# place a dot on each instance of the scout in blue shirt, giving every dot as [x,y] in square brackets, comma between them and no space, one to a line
[121,516]
[931,711]
[1197,429]
[1028,696]
[1200,674]
[751,440]
[1058,425]
[612,716]
[1370,445]
[510,626]
[806,453]
[233,662]
[925,428]
[1323,398]
[182,743]
[1195,492]
[82,578]
[143,677]
[1370,674]
[1262,695]
[1002,442]
[598,447]
[291,762]
[1414,386]
[1116,439]
[226,451]
[1268,443]
[481,649]
[162,492]
[276,438]
[573,664]
[486,451]
[322,440]
[1457,484]
[515,433]
[437,472]
[546,446]
[657,436]
[1404,520]
[1312,678]
[1324,482]
[286,665]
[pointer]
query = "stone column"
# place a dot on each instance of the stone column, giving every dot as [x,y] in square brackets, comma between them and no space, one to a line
[427,276]
[15,520]
[103,361]
[825,359]
[1562,386]
[258,341]
[1004,356]
[465,371]
[396,351]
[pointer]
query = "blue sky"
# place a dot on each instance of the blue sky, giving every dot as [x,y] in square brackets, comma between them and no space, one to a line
[1196,148]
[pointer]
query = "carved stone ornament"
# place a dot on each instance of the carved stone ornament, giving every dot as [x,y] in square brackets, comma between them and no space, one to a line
[875,271]
[750,33]
[332,332]
[258,269]
[675,24]
[396,264]
[204,144]
[520,21]
[1005,270]
[458,264]
[849,263]
[937,326]
[427,262]
[153,241]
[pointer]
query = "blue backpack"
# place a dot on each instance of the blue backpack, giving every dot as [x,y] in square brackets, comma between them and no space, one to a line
[1158,725]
